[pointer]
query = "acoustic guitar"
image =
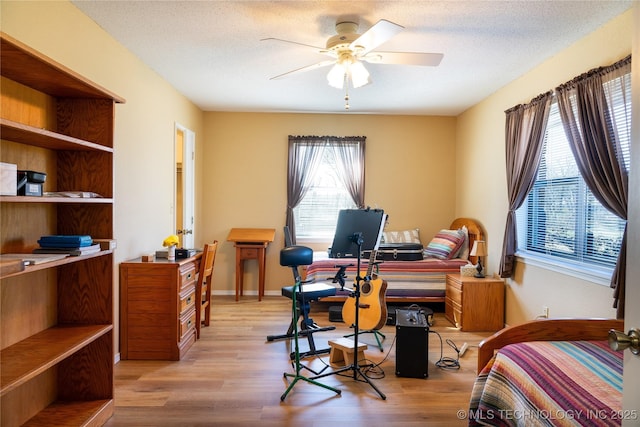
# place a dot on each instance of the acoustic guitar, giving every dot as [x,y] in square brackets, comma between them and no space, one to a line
[373,307]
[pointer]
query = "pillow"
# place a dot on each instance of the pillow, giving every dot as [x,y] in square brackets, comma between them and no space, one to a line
[445,244]
[404,236]
[463,253]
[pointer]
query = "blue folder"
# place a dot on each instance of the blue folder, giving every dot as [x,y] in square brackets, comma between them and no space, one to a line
[65,241]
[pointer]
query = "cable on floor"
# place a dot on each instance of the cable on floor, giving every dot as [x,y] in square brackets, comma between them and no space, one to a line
[447,362]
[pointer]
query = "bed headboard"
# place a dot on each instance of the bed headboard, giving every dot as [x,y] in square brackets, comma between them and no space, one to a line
[475,232]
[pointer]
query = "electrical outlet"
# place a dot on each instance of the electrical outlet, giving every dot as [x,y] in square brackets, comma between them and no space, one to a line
[545,312]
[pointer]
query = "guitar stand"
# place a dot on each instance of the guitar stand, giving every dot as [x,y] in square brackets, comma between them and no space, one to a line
[340,275]
[355,367]
[379,336]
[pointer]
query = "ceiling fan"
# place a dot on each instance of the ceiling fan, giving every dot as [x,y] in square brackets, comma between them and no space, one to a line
[348,50]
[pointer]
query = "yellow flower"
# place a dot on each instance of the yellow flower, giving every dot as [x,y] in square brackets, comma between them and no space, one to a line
[172,240]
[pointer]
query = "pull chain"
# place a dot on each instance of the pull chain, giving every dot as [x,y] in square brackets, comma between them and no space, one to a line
[346,92]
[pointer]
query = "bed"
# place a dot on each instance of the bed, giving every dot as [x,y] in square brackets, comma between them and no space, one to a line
[549,372]
[407,281]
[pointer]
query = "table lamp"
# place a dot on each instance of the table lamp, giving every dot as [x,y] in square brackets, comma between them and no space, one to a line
[479,249]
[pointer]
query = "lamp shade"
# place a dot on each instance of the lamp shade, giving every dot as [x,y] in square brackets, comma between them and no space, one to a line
[479,248]
[335,77]
[359,74]
[348,69]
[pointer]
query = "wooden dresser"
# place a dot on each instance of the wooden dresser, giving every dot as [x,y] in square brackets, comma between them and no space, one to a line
[474,304]
[158,308]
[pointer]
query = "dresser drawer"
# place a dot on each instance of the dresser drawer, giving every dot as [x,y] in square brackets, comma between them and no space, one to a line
[187,323]
[187,275]
[453,293]
[187,299]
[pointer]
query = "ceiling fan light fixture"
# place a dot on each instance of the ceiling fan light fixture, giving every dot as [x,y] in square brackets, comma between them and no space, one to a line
[335,76]
[359,74]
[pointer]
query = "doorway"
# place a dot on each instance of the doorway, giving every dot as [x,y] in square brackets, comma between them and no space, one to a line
[185,185]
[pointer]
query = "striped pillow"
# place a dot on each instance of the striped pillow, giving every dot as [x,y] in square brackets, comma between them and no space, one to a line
[445,244]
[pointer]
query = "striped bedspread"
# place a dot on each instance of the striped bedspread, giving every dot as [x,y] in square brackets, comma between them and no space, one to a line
[405,278]
[555,383]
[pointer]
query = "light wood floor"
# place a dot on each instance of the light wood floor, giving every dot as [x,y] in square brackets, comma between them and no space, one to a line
[234,377]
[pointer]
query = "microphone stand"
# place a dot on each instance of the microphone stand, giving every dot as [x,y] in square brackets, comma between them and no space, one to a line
[355,367]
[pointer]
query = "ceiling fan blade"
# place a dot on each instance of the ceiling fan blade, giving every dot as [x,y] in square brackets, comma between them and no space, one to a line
[303,69]
[320,49]
[382,31]
[404,58]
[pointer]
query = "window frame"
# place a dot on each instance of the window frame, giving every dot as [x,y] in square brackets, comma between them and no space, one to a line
[335,147]
[588,268]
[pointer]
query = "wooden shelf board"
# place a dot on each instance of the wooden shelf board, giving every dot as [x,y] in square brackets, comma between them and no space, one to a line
[28,358]
[29,135]
[45,265]
[45,74]
[43,199]
[87,413]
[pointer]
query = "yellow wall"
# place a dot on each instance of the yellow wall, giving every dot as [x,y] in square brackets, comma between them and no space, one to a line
[423,170]
[144,134]
[481,153]
[409,172]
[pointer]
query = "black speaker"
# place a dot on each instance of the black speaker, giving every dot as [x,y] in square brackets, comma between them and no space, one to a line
[412,344]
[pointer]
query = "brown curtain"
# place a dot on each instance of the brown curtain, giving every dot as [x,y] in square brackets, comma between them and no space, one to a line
[524,134]
[349,153]
[305,156]
[589,124]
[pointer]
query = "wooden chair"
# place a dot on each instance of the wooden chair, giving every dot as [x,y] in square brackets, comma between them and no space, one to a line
[204,285]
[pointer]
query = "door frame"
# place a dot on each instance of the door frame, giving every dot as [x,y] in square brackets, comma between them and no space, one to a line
[188,184]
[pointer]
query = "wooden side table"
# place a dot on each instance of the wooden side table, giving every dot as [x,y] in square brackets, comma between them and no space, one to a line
[251,243]
[475,304]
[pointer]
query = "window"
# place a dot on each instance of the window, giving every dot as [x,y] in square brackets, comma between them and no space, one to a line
[561,221]
[316,215]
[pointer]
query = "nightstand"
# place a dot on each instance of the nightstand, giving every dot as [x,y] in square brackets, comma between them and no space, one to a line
[475,304]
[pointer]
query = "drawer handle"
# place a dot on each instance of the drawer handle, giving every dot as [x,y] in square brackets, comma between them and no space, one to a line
[189,300]
[189,276]
[189,324]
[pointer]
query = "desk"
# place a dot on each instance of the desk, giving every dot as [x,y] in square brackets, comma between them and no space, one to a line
[251,243]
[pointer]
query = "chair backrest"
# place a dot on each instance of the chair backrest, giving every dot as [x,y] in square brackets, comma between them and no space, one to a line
[207,261]
[295,256]
[287,237]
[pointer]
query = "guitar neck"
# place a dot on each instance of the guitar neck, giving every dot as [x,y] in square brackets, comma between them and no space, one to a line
[372,260]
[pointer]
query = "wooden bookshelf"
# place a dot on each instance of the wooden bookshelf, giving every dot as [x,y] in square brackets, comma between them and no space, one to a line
[56,318]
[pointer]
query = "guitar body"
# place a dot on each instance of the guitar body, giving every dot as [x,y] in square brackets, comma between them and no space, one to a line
[373,306]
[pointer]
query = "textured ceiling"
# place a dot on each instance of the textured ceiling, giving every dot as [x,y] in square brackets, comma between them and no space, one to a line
[211,52]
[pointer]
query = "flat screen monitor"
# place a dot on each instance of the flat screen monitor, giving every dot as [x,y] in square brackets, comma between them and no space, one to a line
[353,225]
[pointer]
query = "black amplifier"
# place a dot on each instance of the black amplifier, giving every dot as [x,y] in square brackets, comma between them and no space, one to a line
[412,344]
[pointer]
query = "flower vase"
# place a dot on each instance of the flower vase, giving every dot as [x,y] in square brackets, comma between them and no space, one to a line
[171,253]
